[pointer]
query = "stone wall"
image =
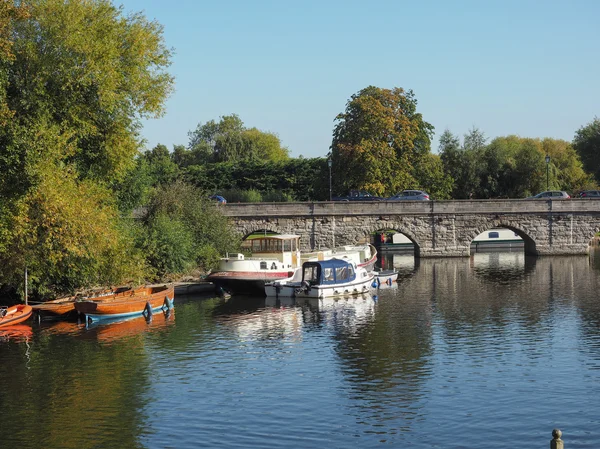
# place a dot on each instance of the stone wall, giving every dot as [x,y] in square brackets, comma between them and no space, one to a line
[437,228]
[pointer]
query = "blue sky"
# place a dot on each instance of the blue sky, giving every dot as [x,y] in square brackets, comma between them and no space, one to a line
[530,68]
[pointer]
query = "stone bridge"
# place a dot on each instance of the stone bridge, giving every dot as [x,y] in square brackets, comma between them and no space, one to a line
[437,228]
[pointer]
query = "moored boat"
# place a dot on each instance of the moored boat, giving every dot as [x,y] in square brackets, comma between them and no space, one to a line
[14,314]
[273,257]
[128,304]
[62,307]
[328,278]
[501,239]
[385,277]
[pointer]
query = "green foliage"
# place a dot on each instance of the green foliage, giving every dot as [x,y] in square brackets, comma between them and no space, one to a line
[378,140]
[587,145]
[276,197]
[83,66]
[510,167]
[429,170]
[242,196]
[200,232]
[298,179]
[230,141]
[75,80]
[170,246]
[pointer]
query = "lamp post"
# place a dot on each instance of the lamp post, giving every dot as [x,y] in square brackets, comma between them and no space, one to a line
[547,172]
[329,164]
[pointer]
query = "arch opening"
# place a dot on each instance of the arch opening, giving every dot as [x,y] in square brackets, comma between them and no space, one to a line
[502,238]
[395,249]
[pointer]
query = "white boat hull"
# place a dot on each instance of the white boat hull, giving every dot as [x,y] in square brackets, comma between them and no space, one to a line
[290,289]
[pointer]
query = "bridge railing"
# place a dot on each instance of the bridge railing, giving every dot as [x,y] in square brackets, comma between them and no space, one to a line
[383,208]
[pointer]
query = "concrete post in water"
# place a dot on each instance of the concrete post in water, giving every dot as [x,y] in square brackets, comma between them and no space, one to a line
[556,442]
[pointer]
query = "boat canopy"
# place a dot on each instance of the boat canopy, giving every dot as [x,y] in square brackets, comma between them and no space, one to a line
[328,272]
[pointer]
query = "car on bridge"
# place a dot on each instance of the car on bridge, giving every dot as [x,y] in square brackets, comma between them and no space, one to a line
[411,195]
[589,194]
[357,195]
[551,195]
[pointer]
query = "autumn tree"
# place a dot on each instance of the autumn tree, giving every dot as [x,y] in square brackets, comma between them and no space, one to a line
[378,141]
[76,79]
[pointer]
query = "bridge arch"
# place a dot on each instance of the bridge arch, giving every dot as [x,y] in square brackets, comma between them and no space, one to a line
[528,242]
[392,226]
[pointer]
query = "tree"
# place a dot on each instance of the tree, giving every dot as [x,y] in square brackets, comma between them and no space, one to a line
[377,140]
[587,146]
[76,78]
[230,141]
[184,229]
[474,140]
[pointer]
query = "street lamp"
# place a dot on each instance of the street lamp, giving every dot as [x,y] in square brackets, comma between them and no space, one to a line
[547,172]
[329,164]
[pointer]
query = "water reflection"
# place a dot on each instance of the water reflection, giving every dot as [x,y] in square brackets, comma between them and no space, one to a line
[463,343]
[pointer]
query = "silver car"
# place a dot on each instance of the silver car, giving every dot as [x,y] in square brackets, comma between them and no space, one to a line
[417,195]
[551,195]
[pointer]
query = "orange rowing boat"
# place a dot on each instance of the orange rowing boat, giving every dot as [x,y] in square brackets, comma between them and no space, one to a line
[63,306]
[15,314]
[129,304]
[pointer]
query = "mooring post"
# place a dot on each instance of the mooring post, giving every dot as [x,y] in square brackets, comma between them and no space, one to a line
[556,442]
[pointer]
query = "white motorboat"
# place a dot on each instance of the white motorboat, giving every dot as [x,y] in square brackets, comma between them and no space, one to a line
[329,278]
[385,277]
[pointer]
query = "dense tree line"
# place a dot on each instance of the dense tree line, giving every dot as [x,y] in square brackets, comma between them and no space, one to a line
[76,78]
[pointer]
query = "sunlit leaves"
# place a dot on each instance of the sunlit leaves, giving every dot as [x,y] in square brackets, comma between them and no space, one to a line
[587,145]
[377,141]
[230,141]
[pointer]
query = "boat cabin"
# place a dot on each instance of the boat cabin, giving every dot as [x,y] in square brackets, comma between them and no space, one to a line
[328,272]
[284,247]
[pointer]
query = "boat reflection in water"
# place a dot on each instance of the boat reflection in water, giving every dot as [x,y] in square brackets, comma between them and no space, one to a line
[111,330]
[291,317]
[17,332]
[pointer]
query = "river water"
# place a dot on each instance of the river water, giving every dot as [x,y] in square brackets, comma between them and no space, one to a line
[495,350]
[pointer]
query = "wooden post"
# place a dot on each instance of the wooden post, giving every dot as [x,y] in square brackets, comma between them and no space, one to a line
[556,442]
[26,285]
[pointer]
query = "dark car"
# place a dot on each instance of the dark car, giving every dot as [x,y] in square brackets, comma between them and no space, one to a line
[415,195]
[357,195]
[218,198]
[590,194]
[551,195]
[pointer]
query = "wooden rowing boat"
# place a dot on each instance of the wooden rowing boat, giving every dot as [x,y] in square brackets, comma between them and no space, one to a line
[14,314]
[61,307]
[129,304]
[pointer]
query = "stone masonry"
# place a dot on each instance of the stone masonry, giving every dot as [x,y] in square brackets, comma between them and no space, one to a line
[437,228]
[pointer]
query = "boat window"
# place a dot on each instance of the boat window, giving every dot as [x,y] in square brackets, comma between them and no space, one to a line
[287,245]
[263,265]
[341,273]
[328,274]
[493,235]
[351,272]
[311,274]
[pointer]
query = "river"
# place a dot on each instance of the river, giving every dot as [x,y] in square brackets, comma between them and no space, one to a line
[495,350]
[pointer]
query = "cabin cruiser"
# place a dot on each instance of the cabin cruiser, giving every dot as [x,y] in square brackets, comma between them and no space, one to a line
[330,278]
